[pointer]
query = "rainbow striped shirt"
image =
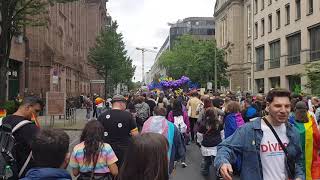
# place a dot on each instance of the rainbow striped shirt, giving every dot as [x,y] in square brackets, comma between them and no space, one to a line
[106,157]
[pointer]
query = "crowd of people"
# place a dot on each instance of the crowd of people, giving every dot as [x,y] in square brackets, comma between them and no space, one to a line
[144,136]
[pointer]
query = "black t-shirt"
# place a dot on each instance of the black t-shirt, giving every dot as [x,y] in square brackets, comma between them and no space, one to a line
[117,126]
[23,139]
[152,104]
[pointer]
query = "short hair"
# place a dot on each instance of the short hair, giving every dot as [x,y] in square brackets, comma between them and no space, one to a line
[160,111]
[277,93]
[49,148]
[139,100]
[32,100]
[233,107]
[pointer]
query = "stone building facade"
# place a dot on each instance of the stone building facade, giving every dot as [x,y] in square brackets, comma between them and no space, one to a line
[268,42]
[233,34]
[55,57]
[286,39]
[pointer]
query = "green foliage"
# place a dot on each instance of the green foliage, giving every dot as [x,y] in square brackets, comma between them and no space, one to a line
[196,60]
[313,73]
[10,106]
[109,57]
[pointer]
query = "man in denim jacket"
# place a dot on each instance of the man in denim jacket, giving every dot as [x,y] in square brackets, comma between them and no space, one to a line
[262,156]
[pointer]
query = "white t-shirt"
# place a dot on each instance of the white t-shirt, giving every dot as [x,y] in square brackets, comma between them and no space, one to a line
[271,153]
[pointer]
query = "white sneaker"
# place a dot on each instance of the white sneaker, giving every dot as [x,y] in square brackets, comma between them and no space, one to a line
[184,165]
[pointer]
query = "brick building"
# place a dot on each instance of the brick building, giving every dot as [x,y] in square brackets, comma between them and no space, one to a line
[54,57]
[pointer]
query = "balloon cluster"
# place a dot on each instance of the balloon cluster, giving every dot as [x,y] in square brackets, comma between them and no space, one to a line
[166,83]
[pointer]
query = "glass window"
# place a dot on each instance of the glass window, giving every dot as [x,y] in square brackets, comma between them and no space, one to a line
[260,58]
[270,22]
[274,55]
[256,30]
[294,48]
[310,6]
[255,6]
[262,27]
[315,43]
[278,19]
[298,9]
[287,14]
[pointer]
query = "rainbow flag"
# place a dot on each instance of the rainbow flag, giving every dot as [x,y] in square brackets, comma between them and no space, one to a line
[310,143]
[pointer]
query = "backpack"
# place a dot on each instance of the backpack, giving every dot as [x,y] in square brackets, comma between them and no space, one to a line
[7,142]
[178,121]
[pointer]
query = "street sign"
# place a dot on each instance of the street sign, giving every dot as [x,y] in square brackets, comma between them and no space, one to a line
[97,81]
[55,79]
[55,103]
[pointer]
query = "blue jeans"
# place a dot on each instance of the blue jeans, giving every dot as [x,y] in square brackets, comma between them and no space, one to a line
[99,111]
[207,162]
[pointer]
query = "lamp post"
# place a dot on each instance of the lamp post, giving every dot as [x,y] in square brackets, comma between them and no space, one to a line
[143,50]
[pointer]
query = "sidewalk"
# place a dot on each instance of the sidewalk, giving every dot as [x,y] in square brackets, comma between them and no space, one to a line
[65,124]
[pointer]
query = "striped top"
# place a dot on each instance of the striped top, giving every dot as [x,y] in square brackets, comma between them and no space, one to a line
[106,158]
[310,143]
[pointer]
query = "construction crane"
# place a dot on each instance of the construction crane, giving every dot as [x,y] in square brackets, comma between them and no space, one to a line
[143,50]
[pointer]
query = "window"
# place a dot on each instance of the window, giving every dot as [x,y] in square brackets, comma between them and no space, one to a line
[255,6]
[294,82]
[256,30]
[274,82]
[260,58]
[315,43]
[294,48]
[298,9]
[310,6]
[260,85]
[249,20]
[287,14]
[262,27]
[262,5]
[270,23]
[274,61]
[249,54]
[278,19]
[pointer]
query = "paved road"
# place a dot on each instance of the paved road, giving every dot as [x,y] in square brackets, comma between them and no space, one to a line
[192,172]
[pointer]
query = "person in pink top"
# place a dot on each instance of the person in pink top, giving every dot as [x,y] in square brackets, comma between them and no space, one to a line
[180,118]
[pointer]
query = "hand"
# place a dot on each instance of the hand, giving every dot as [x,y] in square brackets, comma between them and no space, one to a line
[226,171]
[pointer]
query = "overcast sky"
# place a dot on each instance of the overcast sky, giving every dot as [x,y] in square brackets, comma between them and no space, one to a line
[143,23]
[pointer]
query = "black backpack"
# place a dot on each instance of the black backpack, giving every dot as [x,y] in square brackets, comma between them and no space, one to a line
[7,142]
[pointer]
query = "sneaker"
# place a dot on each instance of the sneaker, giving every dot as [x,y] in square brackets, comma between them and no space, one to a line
[184,165]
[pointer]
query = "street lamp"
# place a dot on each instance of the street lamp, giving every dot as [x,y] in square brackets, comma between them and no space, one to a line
[143,50]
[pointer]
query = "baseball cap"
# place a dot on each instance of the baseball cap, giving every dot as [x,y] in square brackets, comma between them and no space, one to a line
[118,97]
[301,105]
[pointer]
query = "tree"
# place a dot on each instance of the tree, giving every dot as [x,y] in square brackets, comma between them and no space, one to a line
[195,59]
[110,59]
[15,16]
[313,73]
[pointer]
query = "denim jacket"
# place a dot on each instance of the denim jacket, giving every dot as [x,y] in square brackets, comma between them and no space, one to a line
[246,143]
